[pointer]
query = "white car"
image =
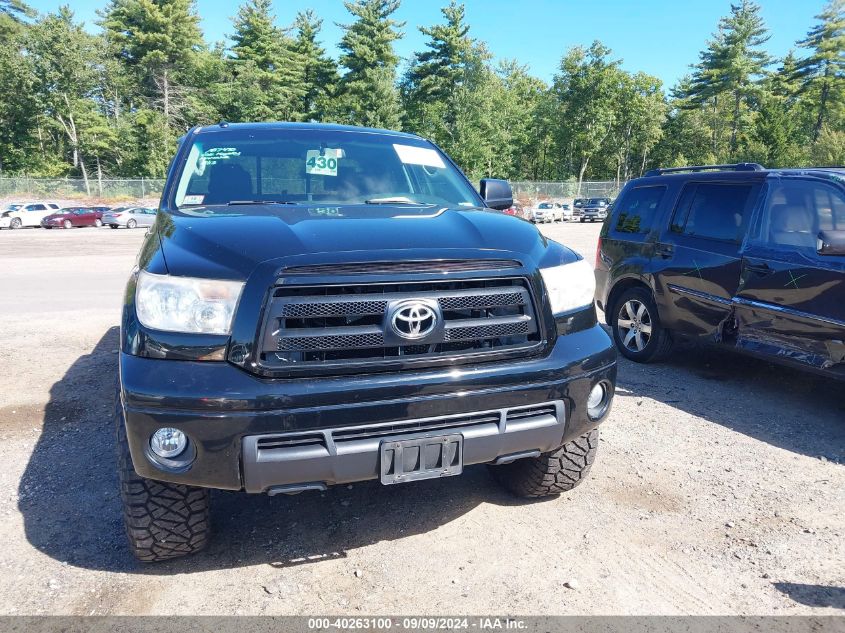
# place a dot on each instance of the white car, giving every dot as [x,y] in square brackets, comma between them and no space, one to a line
[20,214]
[546,212]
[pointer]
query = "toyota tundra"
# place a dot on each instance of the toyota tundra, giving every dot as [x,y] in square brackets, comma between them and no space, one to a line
[318,304]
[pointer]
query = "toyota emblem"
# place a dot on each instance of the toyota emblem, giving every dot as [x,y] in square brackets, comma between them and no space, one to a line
[413,320]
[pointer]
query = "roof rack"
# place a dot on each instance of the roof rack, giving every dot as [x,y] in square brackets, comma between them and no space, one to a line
[732,167]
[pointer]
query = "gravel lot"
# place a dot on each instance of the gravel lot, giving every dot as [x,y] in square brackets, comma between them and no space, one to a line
[719,488]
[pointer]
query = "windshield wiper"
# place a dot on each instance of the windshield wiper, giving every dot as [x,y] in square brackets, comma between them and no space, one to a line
[397,200]
[236,202]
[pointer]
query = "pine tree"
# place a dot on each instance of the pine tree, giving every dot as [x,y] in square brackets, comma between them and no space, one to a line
[368,94]
[266,65]
[436,72]
[12,15]
[157,39]
[732,66]
[823,70]
[436,76]
[319,70]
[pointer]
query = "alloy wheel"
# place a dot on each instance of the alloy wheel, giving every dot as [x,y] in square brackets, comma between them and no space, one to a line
[634,324]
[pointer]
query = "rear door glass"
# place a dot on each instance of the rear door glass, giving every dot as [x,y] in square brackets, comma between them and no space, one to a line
[636,211]
[714,211]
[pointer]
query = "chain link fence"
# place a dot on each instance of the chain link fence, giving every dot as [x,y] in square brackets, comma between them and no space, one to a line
[526,192]
[73,188]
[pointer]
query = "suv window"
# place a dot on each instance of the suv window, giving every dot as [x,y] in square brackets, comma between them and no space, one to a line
[36,207]
[796,210]
[635,212]
[715,211]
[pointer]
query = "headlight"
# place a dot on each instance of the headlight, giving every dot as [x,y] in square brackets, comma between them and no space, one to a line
[570,286]
[184,304]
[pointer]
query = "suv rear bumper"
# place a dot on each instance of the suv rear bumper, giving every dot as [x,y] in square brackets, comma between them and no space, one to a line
[224,411]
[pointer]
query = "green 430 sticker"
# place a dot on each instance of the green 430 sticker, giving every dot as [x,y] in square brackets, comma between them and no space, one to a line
[322,162]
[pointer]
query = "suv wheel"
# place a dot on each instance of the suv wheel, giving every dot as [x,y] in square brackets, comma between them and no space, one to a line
[15,223]
[162,520]
[551,473]
[636,327]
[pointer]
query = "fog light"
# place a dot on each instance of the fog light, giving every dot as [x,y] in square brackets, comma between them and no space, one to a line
[168,442]
[598,400]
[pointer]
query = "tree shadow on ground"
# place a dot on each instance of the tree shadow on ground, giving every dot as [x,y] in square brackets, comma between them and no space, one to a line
[813,595]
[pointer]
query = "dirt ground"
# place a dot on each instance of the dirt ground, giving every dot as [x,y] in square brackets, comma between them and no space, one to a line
[719,488]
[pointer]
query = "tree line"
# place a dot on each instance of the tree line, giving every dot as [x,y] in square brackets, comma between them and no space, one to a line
[114,103]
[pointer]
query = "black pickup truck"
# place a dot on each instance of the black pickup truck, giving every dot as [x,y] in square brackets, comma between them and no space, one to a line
[318,305]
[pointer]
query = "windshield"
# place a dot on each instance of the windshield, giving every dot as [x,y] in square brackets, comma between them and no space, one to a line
[304,166]
[597,202]
[545,205]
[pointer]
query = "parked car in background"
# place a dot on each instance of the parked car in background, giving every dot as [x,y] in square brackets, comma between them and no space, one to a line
[745,257]
[129,217]
[515,209]
[566,212]
[100,211]
[546,212]
[595,209]
[72,217]
[19,215]
[578,207]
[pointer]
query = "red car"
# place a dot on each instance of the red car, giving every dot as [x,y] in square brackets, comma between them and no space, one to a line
[516,210]
[73,216]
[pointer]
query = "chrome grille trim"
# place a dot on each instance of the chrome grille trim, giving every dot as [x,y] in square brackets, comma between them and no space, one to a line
[311,325]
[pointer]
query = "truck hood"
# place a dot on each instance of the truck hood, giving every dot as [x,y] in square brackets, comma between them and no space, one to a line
[230,242]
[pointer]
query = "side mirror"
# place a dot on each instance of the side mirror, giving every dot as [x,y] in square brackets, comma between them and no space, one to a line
[831,243]
[497,193]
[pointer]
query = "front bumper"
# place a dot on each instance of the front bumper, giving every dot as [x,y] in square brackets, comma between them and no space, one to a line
[5,223]
[226,412]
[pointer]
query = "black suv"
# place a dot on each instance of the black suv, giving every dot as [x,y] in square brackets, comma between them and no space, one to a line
[319,305]
[734,254]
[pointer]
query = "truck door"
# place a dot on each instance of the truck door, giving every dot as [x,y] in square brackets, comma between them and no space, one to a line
[790,300]
[697,262]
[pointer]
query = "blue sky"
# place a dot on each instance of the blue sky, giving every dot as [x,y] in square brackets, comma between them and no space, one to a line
[660,37]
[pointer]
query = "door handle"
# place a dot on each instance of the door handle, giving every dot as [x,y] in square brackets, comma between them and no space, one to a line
[665,250]
[760,269]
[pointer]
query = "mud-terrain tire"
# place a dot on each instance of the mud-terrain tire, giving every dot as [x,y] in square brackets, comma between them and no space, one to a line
[551,473]
[163,520]
[660,342]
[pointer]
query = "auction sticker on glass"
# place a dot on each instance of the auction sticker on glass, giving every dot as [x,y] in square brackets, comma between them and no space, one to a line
[413,155]
[322,162]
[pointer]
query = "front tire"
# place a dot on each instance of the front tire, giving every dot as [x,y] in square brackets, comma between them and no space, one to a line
[636,326]
[67,224]
[163,520]
[16,223]
[551,473]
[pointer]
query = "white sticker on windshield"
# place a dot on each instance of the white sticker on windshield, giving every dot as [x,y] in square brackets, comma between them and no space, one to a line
[193,199]
[322,162]
[424,156]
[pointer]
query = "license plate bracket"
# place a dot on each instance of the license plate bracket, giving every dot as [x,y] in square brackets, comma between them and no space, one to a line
[421,458]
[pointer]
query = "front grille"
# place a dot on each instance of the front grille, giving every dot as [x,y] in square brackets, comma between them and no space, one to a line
[345,324]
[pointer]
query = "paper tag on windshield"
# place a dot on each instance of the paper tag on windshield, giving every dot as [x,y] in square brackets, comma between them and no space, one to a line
[424,156]
[322,163]
[193,199]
